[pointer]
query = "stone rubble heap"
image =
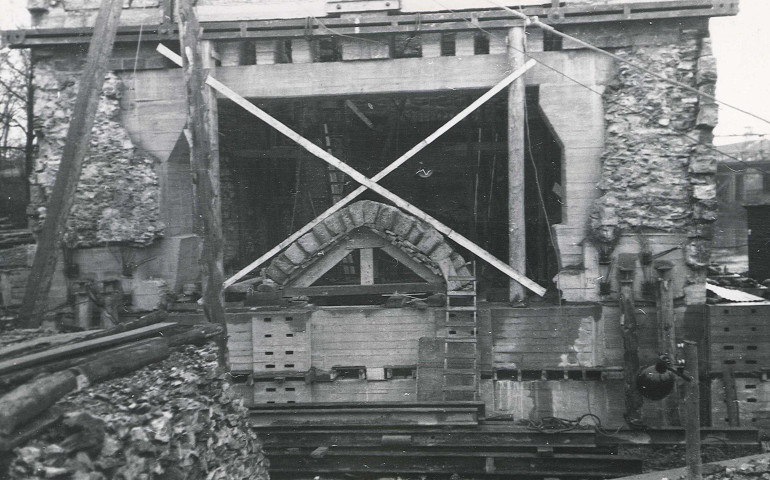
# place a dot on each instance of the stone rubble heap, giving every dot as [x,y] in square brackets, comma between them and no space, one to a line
[175,420]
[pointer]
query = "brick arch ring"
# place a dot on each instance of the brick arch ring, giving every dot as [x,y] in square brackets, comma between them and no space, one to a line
[421,242]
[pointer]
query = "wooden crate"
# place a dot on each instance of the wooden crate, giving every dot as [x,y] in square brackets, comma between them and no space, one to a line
[239,346]
[753,396]
[739,335]
[280,343]
[290,391]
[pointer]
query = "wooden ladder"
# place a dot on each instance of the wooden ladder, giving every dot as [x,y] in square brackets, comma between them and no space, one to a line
[461,356]
[337,180]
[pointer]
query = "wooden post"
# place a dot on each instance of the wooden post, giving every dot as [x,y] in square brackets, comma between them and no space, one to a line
[631,366]
[667,334]
[517,248]
[204,160]
[75,149]
[731,397]
[692,424]
[367,265]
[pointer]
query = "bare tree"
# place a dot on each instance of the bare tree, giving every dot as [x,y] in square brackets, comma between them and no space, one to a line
[16,132]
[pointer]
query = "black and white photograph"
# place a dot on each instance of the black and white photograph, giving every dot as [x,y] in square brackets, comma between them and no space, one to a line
[384,239]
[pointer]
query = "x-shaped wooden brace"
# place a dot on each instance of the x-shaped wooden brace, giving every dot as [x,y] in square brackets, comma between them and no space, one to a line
[367,182]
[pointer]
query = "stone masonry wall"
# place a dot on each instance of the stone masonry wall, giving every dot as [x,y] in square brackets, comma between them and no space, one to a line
[655,174]
[117,199]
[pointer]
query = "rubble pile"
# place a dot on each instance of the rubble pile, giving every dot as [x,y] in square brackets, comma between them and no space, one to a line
[752,470]
[117,198]
[658,172]
[174,420]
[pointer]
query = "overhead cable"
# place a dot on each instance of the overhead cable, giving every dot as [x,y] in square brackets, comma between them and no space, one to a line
[536,22]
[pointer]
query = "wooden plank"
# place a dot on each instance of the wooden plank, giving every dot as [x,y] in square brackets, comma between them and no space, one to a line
[422,271]
[76,147]
[81,347]
[373,289]
[372,185]
[367,272]
[323,264]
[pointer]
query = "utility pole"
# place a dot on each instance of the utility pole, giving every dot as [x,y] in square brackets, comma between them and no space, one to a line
[667,333]
[75,149]
[692,424]
[204,161]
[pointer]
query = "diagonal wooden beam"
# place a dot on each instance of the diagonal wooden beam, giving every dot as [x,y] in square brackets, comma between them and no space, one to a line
[369,183]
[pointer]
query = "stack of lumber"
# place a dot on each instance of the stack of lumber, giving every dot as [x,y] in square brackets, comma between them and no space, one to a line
[32,380]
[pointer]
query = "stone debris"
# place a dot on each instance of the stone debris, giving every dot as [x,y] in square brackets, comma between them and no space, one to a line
[174,420]
[117,198]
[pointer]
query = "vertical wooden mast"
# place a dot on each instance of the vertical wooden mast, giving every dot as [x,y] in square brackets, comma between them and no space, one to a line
[516,126]
[204,160]
[75,149]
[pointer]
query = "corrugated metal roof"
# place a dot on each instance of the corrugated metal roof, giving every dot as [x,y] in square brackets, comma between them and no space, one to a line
[733,295]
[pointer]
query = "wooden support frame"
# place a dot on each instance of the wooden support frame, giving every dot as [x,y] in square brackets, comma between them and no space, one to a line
[363,241]
[371,183]
[204,161]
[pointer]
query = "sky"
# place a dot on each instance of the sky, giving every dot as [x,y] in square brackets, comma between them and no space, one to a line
[740,46]
[743,64]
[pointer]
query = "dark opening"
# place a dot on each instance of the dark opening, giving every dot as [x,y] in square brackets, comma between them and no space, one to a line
[270,187]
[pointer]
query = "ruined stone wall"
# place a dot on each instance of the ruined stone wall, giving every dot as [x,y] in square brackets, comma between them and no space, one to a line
[117,199]
[658,171]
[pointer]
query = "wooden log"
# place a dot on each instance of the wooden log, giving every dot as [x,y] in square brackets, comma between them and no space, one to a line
[144,321]
[204,160]
[731,397]
[81,348]
[631,364]
[667,335]
[28,401]
[692,423]
[197,335]
[75,149]
[31,430]
[122,360]
[517,248]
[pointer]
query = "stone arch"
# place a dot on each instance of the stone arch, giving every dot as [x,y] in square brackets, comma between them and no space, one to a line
[421,242]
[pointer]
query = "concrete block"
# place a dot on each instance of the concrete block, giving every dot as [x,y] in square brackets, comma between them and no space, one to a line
[276,274]
[322,233]
[441,252]
[148,295]
[308,242]
[334,224]
[431,45]
[264,51]
[371,48]
[356,213]
[465,43]
[295,254]
[371,209]
[429,241]
[415,234]
[385,217]
[402,225]
[301,51]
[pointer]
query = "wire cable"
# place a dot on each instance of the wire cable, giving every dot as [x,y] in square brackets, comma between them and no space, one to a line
[536,22]
[577,82]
